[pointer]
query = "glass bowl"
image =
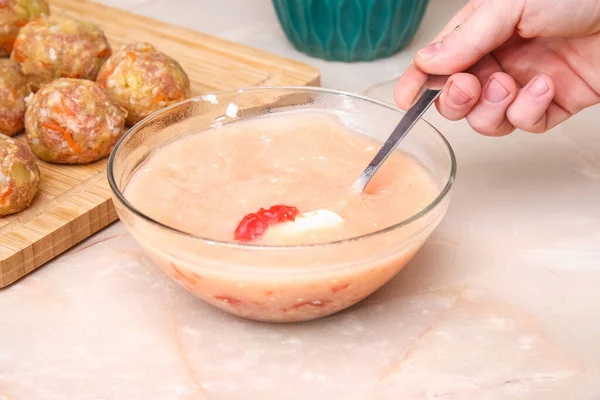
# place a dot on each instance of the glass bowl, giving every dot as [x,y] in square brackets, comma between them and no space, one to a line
[280,283]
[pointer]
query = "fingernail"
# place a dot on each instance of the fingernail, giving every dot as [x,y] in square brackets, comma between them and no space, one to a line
[538,87]
[430,51]
[495,92]
[457,96]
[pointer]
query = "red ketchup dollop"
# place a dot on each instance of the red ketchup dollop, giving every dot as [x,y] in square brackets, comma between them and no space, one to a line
[253,225]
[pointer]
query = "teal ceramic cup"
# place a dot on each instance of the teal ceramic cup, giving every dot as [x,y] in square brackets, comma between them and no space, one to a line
[350,30]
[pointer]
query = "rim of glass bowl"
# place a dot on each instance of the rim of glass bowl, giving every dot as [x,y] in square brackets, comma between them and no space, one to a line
[249,246]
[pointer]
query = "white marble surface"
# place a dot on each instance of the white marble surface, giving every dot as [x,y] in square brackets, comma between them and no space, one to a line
[502,302]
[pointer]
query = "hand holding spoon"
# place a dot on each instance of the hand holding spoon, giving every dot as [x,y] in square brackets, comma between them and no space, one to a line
[432,89]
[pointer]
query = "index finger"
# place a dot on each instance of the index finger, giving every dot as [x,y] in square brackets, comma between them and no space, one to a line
[412,80]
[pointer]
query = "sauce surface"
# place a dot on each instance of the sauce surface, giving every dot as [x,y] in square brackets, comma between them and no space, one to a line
[205,183]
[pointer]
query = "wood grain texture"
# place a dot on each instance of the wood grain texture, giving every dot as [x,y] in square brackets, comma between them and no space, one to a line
[74,202]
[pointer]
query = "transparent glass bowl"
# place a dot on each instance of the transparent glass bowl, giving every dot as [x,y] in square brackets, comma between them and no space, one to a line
[280,283]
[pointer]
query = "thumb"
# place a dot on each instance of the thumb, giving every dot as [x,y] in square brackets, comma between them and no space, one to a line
[489,25]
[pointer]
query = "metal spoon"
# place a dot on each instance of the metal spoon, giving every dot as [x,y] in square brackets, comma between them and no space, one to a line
[432,89]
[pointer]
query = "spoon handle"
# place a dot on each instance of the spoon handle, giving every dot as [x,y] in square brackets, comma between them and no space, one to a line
[429,95]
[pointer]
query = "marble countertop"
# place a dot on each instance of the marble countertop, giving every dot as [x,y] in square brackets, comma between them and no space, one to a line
[503,302]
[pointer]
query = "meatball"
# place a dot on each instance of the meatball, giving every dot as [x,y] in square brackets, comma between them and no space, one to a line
[59,47]
[13,90]
[19,176]
[143,80]
[13,15]
[73,121]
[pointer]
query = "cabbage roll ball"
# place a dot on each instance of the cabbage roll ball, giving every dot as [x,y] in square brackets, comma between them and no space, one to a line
[15,14]
[13,90]
[73,121]
[59,47]
[19,176]
[143,80]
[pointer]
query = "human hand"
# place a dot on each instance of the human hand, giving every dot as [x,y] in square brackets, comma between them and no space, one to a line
[530,64]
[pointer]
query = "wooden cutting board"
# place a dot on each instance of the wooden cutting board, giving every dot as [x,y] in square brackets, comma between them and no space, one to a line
[74,201]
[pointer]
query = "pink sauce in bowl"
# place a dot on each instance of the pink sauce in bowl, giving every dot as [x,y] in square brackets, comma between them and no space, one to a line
[185,178]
